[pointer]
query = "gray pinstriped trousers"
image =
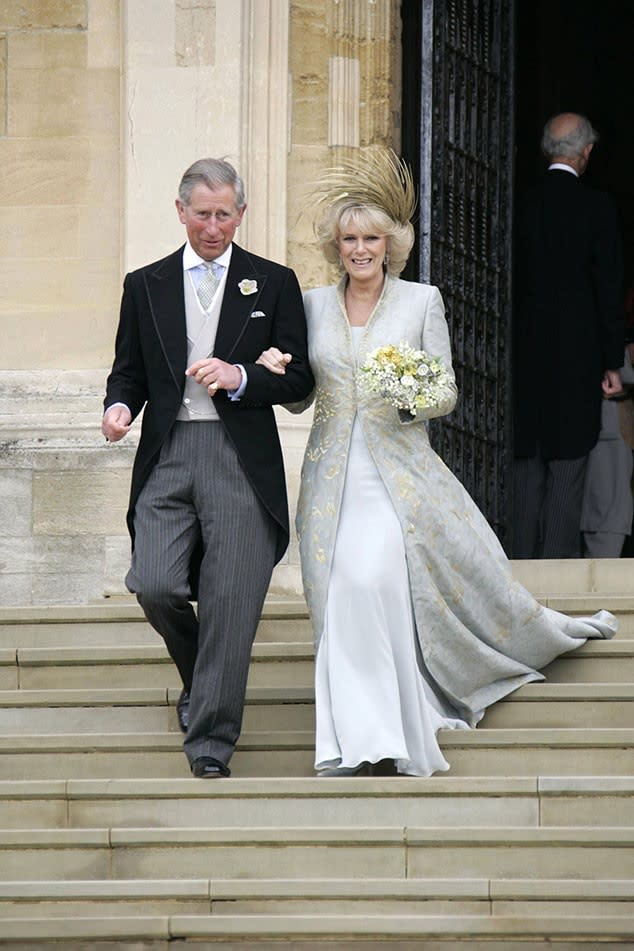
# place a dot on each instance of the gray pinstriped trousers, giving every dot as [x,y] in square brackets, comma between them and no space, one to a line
[198,490]
[547,502]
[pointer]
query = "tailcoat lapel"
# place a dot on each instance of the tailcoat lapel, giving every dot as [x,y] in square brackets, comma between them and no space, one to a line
[166,301]
[237,307]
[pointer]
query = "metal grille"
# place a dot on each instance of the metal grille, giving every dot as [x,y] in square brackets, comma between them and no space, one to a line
[465,242]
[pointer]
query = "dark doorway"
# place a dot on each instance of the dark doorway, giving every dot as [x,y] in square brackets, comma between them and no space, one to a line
[565,57]
[411,109]
[457,133]
[578,58]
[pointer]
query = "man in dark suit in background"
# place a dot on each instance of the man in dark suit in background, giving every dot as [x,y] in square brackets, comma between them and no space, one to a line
[568,342]
[208,511]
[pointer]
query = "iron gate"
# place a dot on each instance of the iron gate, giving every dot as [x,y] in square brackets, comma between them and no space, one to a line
[465,246]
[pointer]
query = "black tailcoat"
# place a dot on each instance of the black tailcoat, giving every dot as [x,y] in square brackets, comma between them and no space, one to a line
[569,315]
[151,358]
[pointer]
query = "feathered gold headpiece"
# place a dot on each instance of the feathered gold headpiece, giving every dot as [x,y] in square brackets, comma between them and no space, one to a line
[374,176]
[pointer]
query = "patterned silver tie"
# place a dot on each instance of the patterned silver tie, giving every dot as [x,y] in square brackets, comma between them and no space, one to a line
[208,284]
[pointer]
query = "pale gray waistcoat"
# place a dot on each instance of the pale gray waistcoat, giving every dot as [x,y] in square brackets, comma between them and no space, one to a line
[202,325]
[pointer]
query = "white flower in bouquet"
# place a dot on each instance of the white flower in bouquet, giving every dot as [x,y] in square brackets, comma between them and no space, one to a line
[408,379]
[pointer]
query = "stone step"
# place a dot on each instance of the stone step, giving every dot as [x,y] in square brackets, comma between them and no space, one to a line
[481,752]
[120,622]
[143,709]
[153,709]
[592,705]
[575,576]
[105,898]
[97,633]
[595,662]
[308,932]
[317,896]
[312,852]
[273,664]
[34,668]
[528,752]
[123,624]
[441,801]
[117,755]
[488,857]
[584,605]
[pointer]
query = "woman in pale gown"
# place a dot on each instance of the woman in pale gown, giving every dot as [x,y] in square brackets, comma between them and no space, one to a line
[418,622]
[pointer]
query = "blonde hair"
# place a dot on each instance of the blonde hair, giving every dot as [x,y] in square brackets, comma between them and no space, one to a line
[371,220]
[373,189]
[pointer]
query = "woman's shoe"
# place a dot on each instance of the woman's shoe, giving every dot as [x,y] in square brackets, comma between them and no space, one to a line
[363,769]
[384,767]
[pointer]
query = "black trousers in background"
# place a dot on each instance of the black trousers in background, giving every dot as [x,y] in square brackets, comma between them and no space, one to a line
[547,502]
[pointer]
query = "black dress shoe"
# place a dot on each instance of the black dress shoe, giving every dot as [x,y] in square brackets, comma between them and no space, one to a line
[206,767]
[182,710]
[384,767]
[363,769]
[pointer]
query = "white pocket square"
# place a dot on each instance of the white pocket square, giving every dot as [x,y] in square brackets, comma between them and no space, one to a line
[258,313]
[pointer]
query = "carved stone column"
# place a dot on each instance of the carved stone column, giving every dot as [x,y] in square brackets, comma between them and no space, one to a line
[362,96]
[345,64]
[265,127]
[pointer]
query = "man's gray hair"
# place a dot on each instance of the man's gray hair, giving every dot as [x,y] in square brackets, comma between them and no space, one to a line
[571,145]
[214,173]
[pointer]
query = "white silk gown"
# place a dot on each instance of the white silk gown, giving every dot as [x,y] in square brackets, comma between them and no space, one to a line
[371,697]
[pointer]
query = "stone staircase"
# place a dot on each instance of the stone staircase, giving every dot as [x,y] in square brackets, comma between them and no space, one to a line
[107,842]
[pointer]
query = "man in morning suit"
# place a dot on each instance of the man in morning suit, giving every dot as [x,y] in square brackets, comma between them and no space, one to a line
[568,344]
[208,511]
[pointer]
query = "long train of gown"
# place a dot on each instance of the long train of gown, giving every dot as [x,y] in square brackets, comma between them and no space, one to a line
[374,697]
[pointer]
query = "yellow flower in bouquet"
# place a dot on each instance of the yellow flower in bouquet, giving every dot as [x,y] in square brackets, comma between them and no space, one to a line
[408,379]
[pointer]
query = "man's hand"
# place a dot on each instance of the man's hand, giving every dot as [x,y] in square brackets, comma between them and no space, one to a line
[274,360]
[611,384]
[116,423]
[215,374]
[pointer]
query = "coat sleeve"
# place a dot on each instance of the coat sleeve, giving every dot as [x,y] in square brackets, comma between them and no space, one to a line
[435,341]
[288,335]
[127,382]
[607,266]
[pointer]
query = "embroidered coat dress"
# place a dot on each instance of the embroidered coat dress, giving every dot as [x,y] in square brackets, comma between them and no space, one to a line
[481,634]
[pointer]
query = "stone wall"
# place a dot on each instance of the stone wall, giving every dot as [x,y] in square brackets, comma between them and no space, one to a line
[103,103]
[60,156]
[60,243]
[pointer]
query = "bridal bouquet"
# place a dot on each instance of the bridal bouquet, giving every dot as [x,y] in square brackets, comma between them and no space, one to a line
[408,379]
